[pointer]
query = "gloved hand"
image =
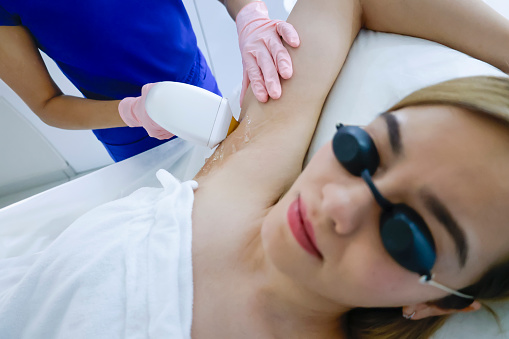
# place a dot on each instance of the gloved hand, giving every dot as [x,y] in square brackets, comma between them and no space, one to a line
[132,111]
[263,53]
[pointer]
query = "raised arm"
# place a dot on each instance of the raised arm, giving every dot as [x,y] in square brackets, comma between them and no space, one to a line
[469,26]
[22,69]
[280,131]
[262,157]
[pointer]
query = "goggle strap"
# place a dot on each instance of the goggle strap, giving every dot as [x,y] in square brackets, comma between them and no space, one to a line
[427,280]
[384,203]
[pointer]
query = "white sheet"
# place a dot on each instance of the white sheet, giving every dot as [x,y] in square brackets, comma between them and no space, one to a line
[32,224]
[122,270]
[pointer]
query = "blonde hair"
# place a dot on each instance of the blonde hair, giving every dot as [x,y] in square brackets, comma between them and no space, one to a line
[488,95]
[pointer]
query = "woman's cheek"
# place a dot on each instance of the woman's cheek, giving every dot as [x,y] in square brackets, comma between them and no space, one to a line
[381,279]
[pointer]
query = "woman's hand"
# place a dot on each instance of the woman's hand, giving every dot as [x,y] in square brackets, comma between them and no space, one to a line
[132,111]
[264,57]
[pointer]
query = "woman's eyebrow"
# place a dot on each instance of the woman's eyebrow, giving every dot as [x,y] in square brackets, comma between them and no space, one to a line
[394,133]
[444,216]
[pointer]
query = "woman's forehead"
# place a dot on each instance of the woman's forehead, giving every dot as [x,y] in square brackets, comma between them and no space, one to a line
[444,130]
[457,146]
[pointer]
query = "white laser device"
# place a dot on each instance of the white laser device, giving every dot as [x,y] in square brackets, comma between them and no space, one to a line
[192,113]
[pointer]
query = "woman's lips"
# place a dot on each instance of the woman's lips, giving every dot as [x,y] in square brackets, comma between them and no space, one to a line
[301,228]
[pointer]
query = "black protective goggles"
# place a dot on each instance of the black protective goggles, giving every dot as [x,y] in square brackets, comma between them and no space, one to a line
[404,233]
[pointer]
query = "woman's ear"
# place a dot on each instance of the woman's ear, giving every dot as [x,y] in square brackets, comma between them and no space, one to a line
[424,310]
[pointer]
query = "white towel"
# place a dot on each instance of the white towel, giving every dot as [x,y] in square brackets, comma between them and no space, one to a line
[123,270]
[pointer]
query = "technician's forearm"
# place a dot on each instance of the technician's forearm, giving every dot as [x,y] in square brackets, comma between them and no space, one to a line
[234,6]
[469,26]
[23,70]
[70,112]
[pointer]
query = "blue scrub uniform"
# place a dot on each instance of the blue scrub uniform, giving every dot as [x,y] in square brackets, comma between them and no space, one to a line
[110,48]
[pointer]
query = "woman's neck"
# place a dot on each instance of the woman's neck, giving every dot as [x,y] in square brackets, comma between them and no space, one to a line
[290,310]
[276,303]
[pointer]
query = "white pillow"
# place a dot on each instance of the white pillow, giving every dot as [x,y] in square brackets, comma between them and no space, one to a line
[382,69]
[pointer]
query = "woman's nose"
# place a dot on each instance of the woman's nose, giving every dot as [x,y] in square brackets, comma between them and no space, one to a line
[348,206]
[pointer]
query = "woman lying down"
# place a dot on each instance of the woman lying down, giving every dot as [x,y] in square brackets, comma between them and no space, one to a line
[386,231]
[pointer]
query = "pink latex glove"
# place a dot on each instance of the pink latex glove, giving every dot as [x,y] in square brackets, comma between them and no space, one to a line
[132,111]
[263,53]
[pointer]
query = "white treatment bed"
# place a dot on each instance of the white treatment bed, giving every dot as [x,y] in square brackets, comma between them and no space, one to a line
[380,70]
